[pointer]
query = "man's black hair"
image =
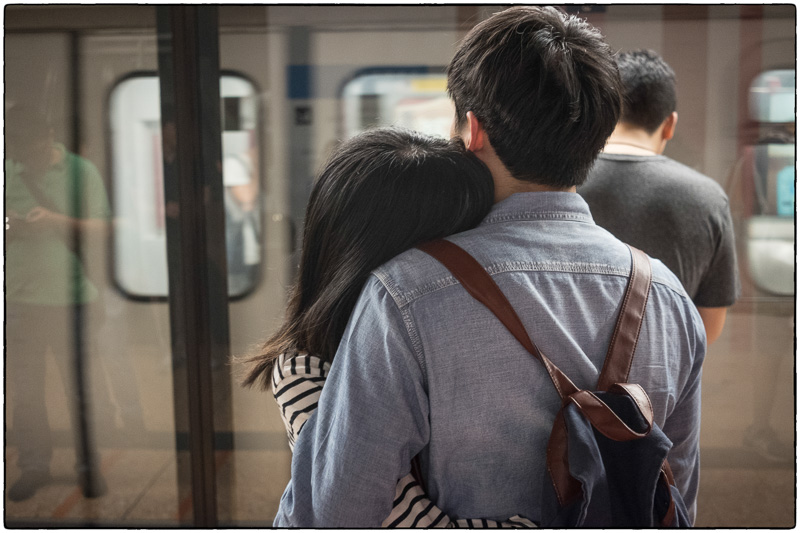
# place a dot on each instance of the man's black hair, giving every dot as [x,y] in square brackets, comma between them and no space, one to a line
[545,88]
[648,85]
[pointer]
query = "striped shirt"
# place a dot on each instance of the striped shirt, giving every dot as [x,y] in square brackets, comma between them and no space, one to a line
[297,384]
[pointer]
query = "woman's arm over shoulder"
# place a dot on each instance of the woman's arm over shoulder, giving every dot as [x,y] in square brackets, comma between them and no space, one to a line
[297,382]
[371,421]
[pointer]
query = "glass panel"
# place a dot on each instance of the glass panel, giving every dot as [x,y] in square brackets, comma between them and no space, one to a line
[747,476]
[64,310]
[332,71]
[140,256]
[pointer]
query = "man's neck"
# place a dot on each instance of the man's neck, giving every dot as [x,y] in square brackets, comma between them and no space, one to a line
[505,185]
[630,140]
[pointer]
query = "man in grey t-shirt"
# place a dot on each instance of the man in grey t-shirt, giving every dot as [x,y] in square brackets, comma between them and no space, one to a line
[659,205]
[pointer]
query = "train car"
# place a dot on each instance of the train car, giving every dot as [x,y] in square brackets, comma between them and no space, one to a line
[295,80]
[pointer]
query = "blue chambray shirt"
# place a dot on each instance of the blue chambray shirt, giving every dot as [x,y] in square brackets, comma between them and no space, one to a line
[424,368]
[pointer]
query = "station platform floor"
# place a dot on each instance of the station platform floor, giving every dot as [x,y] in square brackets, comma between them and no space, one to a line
[739,487]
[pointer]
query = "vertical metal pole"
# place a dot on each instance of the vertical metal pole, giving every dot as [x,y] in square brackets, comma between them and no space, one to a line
[300,94]
[751,39]
[85,452]
[190,117]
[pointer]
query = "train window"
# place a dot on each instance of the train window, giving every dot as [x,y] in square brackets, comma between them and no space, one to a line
[139,238]
[772,96]
[400,97]
[770,230]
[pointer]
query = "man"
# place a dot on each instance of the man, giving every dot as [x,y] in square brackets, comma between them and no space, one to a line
[45,284]
[656,204]
[425,369]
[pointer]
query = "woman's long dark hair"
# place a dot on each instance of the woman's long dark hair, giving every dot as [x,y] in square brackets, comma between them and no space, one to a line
[380,194]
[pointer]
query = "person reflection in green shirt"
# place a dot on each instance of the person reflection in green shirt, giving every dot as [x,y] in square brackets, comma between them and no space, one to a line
[51,194]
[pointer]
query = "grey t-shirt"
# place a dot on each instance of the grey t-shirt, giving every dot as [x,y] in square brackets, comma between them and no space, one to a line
[672,213]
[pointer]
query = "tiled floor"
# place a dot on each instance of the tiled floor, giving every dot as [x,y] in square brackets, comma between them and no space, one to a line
[738,488]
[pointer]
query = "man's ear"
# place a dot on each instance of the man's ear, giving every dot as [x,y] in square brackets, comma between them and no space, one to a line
[475,135]
[668,131]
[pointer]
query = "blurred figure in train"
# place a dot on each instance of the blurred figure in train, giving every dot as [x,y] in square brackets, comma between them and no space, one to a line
[242,214]
[658,205]
[241,221]
[50,194]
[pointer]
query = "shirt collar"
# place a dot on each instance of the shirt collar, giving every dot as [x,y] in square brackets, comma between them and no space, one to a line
[540,205]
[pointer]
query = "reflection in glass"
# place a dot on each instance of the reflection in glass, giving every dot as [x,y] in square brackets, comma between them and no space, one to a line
[88,372]
[55,199]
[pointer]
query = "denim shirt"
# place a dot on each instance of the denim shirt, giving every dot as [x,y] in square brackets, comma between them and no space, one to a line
[425,369]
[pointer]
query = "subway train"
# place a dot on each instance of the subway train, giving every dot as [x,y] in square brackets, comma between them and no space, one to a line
[294,81]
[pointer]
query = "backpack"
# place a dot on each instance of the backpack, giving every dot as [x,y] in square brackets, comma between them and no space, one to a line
[606,459]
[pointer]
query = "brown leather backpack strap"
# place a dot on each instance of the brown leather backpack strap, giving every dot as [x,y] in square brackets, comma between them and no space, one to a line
[667,478]
[620,353]
[619,357]
[480,285]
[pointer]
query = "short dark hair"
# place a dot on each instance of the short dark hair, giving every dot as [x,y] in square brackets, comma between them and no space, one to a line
[544,86]
[380,193]
[648,86]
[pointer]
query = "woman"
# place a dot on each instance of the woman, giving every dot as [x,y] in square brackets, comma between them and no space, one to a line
[380,194]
